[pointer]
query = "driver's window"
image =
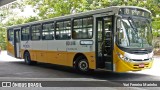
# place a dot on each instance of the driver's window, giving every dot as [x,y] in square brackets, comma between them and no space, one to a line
[120,33]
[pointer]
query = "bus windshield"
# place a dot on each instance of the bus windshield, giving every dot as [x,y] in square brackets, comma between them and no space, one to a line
[135,33]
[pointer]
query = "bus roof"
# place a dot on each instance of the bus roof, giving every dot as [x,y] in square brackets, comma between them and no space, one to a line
[113,9]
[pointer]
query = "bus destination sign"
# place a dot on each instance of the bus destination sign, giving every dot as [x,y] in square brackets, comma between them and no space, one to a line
[134,12]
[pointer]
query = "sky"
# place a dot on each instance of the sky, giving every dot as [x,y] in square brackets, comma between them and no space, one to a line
[28,11]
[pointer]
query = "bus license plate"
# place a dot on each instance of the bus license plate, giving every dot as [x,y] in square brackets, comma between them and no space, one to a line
[141,65]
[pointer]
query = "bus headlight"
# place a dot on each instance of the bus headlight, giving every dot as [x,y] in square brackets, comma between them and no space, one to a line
[120,56]
[127,59]
[124,58]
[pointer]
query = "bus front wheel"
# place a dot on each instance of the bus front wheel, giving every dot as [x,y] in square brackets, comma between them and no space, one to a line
[27,59]
[81,64]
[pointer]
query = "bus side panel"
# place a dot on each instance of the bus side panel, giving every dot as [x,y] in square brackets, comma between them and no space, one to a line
[51,57]
[59,57]
[41,56]
[57,52]
[70,57]
[33,55]
[56,57]
[40,48]
[10,49]
[91,59]
[22,53]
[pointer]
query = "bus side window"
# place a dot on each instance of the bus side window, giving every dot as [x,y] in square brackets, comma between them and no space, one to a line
[82,28]
[35,32]
[48,31]
[25,33]
[63,30]
[10,36]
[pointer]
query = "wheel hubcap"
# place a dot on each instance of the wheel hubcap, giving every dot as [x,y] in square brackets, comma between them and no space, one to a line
[83,65]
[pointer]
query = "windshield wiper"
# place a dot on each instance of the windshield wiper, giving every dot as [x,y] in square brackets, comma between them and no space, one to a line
[132,24]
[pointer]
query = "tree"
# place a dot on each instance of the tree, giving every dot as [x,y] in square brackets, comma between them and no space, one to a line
[53,8]
[3,38]
[7,17]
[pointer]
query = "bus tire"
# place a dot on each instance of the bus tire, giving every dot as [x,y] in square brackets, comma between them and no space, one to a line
[28,60]
[82,64]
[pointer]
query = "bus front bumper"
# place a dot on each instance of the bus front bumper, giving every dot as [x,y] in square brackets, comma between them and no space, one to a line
[123,66]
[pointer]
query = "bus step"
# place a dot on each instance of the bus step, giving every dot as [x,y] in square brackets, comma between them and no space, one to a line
[103,69]
[107,39]
[107,46]
[107,55]
[108,65]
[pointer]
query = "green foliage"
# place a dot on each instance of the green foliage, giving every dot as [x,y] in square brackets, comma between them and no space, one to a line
[10,16]
[30,19]
[156,27]
[53,8]
[3,38]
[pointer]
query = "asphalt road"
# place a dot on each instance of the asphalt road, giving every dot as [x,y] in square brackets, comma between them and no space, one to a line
[12,69]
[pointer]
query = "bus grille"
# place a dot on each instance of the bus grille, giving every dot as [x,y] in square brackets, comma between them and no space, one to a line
[140,59]
[140,52]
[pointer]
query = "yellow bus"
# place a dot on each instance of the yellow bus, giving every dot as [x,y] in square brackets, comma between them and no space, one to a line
[116,38]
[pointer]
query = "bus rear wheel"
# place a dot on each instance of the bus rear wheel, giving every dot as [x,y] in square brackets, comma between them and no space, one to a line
[82,64]
[27,59]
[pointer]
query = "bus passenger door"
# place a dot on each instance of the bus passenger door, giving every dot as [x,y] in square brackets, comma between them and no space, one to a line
[104,41]
[17,43]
